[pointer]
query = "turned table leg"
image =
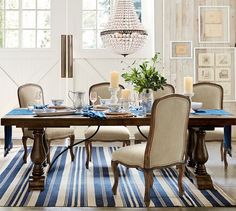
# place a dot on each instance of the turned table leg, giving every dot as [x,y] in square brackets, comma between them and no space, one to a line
[38,156]
[191,144]
[200,156]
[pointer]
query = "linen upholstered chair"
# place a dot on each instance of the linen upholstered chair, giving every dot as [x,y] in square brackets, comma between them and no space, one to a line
[27,94]
[166,144]
[105,133]
[138,137]
[211,96]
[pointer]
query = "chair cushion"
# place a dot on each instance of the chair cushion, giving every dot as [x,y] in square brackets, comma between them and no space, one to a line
[139,136]
[107,133]
[130,155]
[215,135]
[58,133]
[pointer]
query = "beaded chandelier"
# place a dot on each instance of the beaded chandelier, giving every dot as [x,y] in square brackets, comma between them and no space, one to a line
[124,33]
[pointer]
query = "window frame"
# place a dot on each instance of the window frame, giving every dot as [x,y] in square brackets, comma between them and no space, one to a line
[20,28]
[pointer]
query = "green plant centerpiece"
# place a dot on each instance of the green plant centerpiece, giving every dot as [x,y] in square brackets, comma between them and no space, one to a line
[145,79]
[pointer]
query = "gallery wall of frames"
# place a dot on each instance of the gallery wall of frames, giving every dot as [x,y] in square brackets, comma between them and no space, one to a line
[199,41]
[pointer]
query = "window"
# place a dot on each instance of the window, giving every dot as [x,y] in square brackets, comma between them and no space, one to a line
[95,13]
[25,23]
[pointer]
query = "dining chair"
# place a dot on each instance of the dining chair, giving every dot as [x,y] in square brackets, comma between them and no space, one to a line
[105,133]
[166,145]
[28,94]
[138,137]
[211,96]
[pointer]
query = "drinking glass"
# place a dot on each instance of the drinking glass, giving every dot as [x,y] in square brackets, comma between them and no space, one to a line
[93,97]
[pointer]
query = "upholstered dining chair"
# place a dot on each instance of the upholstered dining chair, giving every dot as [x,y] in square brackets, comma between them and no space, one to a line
[138,137]
[166,144]
[105,133]
[211,95]
[27,94]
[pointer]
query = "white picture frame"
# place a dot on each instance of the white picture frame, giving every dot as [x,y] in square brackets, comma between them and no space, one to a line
[181,50]
[222,74]
[214,24]
[206,59]
[223,59]
[206,74]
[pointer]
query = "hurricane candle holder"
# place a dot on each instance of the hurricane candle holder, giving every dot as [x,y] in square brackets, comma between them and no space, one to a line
[114,91]
[125,104]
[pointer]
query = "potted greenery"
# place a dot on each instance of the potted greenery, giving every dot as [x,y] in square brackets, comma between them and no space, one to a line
[145,79]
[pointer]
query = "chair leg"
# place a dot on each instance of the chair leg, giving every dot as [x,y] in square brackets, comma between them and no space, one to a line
[90,151]
[24,142]
[87,143]
[148,175]
[114,165]
[225,159]
[72,141]
[48,155]
[222,150]
[180,179]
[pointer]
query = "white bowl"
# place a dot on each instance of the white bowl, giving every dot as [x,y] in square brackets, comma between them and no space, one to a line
[196,105]
[57,102]
[114,107]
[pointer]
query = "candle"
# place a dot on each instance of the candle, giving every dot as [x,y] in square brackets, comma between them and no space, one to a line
[125,94]
[188,85]
[114,79]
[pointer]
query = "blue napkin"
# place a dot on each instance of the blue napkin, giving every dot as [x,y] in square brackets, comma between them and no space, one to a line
[94,114]
[8,129]
[227,128]
[20,111]
[206,112]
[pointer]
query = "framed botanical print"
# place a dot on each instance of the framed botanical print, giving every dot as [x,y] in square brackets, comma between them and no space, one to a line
[206,59]
[206,74]
[216,65]
[214,24]
[181,49]
[222,74]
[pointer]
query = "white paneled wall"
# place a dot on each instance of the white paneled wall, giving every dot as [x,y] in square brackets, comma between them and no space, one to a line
[43,67]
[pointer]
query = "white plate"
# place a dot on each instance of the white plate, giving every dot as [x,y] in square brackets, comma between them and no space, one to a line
[54,113]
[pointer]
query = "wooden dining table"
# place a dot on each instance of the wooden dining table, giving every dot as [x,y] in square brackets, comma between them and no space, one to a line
[197,150]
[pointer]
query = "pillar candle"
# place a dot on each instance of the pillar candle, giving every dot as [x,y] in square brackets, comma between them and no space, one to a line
[125,94]
[188,85]
[114,79]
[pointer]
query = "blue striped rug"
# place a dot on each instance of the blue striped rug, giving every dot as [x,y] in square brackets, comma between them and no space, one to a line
[69,184]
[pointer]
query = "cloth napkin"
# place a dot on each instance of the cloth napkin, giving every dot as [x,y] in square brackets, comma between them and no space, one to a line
[8,129]
[206,112]
[94,114]
[227,128]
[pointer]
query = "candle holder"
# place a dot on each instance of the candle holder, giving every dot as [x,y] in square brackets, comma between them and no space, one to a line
[114,99]
[125,104]
[190,95]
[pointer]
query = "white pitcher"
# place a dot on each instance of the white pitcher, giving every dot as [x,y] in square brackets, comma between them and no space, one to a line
[77,99]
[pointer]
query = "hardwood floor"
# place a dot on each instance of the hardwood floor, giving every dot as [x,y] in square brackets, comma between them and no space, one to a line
[224,178]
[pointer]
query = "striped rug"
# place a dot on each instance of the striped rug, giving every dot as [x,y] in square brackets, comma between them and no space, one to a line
[69,184]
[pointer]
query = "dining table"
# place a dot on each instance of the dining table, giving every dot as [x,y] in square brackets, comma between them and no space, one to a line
[197,154]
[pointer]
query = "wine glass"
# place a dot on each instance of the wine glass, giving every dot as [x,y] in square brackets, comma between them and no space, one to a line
[93,97]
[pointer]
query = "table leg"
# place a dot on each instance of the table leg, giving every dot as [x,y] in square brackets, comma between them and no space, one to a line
[38,156]
[200,155]
[191,144]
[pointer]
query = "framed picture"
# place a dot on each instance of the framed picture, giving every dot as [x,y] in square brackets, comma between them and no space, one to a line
[214,24]
[206,59]
[181,49]
[223,74]
[223,59]
[206,74]
[226,87]
[216,65]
